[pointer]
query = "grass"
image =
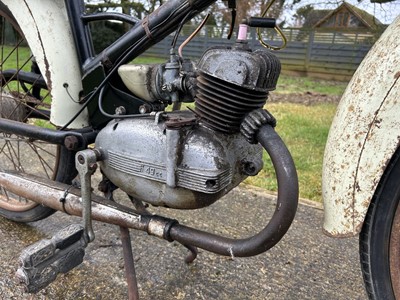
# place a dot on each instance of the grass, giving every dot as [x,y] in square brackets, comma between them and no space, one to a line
[11,58]
[304,129]
[294,85]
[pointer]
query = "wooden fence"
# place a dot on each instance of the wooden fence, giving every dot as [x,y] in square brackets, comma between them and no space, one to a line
[331,55]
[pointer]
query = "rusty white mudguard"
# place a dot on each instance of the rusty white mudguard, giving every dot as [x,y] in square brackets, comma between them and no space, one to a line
[45,26]
[364,135]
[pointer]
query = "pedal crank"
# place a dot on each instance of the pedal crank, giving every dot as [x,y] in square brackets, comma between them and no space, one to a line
[85,163]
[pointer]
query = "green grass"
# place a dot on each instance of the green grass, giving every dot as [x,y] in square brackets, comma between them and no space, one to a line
[14,60]
[304,130]
[19,56]
[294,85]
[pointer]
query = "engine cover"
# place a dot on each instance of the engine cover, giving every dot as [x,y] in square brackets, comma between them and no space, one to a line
[170,160]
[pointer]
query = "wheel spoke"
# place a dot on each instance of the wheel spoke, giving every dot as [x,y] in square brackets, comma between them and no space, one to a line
[10,158]
[45,150]
[43,162]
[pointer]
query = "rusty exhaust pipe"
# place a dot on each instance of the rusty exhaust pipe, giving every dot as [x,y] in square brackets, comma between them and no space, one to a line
[285,210]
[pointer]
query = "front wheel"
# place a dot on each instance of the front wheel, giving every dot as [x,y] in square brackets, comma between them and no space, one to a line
[24,98]
[380,237]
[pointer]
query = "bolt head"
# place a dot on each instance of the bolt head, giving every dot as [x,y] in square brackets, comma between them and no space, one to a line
[71,142]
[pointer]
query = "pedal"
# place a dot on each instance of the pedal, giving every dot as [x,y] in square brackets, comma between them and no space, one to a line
[41,262]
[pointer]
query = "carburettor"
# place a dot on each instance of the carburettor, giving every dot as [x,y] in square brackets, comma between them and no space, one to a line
[189,159]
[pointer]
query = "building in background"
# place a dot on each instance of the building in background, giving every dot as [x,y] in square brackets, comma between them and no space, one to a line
[346,16]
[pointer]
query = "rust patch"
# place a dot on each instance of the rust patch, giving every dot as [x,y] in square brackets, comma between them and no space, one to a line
[378,122]
[351,108]
[365,203]
[335,234]
[349,213]
[357,187]
[397,75]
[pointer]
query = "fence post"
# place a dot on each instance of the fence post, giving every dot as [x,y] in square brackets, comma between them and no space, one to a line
[309,49]
[167,47]
[253,40]
[206,37]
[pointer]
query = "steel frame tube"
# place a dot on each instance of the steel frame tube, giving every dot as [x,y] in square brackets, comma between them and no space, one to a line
[84,137]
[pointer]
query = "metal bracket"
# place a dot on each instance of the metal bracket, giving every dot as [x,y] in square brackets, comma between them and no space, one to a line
[85,162]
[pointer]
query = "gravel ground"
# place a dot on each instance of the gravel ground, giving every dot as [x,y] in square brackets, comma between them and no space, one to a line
[304,265]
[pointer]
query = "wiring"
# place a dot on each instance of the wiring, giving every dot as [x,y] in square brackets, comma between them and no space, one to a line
[126,55]
[175,39]
[100,105]
[192,35]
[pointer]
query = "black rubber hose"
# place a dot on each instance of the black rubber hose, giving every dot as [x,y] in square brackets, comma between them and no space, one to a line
[280,222]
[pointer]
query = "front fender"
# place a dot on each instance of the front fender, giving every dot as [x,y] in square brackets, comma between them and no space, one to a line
[364,135]
[46,28]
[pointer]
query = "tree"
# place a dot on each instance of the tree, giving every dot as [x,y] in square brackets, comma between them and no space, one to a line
[220,14]
[130,7]
[302,14]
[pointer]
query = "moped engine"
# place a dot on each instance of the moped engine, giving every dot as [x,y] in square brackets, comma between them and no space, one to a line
[189,159]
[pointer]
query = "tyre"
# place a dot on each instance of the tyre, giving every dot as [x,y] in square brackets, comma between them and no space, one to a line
[380,237]
[24,98]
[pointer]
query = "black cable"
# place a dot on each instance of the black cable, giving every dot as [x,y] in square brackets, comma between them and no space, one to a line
[184,20]
[100,105]
[125,55]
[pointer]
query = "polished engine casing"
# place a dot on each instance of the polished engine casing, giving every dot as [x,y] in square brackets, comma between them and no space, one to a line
[171,160]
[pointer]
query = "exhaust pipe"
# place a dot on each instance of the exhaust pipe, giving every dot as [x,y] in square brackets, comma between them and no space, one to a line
[64,198]
[285,210]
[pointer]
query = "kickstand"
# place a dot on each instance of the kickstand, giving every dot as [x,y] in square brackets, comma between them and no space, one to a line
[107,188]
[130,274]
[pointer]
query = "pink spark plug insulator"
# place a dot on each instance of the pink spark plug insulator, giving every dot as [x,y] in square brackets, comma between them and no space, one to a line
[242,35]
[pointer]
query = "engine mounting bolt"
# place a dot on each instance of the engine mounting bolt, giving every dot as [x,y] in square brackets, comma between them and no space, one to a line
[93,168]
[167,88]
[71,142]
[144,109]
[251,168]
[120,110]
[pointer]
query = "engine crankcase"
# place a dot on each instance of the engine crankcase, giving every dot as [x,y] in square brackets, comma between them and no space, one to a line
[172,161]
